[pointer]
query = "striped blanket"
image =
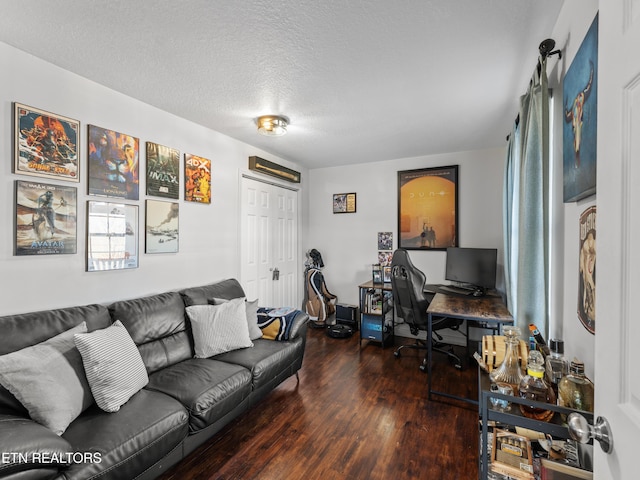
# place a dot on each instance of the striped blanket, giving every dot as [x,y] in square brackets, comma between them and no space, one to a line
[276,323]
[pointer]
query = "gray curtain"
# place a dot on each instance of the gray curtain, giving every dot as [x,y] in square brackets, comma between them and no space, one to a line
[526,209]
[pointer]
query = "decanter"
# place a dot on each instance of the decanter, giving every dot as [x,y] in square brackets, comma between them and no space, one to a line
[533,387]
[556,366]
[509,370]
[575,390]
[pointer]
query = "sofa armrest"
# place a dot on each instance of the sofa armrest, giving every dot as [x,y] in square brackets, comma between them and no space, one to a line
[300,323]
[28,446]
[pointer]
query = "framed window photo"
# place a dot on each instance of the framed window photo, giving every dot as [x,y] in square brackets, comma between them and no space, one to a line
[112,236]
[113,164]
[46,222]
[46,144]
[163,171]
[428,208]
[162,226]
[344,203]
[197,179]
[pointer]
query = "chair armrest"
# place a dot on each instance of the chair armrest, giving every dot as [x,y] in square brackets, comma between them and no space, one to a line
[26,445]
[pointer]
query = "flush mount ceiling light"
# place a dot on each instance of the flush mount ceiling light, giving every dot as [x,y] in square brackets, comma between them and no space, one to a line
[272,125]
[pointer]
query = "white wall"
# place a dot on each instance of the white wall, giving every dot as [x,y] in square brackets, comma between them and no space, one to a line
[575,19]
[208,233]
[348,241]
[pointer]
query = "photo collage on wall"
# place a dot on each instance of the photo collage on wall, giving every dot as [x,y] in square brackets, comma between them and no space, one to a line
[385,253]
[47,145]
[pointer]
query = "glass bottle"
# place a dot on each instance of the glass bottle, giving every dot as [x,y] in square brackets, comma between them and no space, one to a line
[556,366]
[575,390]
[533,387]
[509,371]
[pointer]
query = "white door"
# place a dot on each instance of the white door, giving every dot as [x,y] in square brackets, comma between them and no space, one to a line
[269,243]
[617,339]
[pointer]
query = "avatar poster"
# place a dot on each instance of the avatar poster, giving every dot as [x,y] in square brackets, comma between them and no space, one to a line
[113,164]
[197,179]
[163,171]
[587,276]
[46,144]
[45,219]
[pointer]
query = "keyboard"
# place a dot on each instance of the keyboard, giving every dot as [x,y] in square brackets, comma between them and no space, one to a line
[458,290]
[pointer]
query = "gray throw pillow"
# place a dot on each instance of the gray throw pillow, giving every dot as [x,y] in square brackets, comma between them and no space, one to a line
[48,379]
[219,328]
[113,365]
[252,316]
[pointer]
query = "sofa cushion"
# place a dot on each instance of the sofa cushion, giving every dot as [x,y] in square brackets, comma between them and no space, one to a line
[21,438]
[113,365]
[228,289]
[219,328]
[207,388]
[143,431]
[157,325]
[49,380]
[266,359]
[252,315]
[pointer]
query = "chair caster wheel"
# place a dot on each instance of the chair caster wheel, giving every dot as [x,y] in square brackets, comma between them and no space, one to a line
[423,368]
[458,366]
[396,354]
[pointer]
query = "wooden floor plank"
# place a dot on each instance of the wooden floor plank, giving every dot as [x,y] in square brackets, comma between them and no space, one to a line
[357,413]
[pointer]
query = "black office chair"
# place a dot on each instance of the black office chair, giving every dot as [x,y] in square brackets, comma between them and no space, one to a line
[411,305]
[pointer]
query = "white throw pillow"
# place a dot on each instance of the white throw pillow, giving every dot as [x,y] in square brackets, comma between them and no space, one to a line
[252,316]
[113,365]
[219,328]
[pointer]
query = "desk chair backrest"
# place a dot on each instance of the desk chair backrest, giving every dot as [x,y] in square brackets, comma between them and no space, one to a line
[408,291]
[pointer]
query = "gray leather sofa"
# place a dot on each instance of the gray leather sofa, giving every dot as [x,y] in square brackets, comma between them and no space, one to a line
[186,401]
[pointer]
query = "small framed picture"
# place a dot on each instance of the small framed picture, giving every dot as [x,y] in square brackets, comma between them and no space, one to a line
[386,274]
[344,203]
[385,240]
[162,226]
[46,144]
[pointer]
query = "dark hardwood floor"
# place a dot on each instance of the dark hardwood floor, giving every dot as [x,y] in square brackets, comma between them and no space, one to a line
[355,414]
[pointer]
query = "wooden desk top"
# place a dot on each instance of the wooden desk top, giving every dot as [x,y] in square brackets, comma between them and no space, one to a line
[481,309]
[370,284]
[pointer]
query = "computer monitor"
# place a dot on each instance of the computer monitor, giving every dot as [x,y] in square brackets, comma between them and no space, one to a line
[475,267]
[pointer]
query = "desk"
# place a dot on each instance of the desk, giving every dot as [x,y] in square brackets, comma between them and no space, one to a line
[472,309]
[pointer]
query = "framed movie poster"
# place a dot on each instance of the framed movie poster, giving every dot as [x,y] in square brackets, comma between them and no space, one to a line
[113,164]
[46,222]
[579,130]
[46,144]
[112,236]
[163,171]
[587,273]
[428,208]
[197,179]
[162,226]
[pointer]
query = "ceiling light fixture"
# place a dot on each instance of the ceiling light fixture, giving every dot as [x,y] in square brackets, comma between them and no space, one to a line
[272,125]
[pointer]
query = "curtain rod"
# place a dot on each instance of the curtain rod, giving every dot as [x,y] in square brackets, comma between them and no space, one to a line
[546,49]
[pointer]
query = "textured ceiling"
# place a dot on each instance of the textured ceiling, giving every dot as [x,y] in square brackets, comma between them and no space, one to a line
[360,80]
